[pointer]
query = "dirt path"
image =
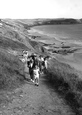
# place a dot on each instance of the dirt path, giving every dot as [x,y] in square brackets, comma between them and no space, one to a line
[35,100]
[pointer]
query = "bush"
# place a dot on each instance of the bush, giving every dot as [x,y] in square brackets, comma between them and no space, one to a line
[66,81]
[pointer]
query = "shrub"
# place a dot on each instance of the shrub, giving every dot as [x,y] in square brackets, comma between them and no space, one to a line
[66,81]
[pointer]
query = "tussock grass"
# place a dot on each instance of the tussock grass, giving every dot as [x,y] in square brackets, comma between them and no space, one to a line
[67,83]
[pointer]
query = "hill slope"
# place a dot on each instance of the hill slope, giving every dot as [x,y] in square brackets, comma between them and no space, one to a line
[14,38]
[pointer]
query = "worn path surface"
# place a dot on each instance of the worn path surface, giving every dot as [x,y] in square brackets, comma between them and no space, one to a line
[32,100]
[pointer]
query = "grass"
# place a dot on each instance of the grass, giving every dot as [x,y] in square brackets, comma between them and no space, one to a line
[11,68]
[65,79]
[39,49]
[67,83]
[11,71]
[9,43]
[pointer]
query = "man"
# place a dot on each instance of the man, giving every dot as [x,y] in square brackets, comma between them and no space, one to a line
[41,63]
[30,66]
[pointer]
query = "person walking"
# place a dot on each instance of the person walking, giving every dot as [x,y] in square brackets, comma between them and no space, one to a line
[30,66]
[41,63]
[36,73]
[26,69]
[24,60]
[45,63]
[36,61]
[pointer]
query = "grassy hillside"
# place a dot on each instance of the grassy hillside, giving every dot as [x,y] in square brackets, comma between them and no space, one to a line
[11,70]
[36,22]
[13,40]
[67,83]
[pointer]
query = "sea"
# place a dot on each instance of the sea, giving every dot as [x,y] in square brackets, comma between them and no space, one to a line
[72,33]
[61,32]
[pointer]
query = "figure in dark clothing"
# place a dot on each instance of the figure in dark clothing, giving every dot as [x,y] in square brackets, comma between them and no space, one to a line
[30,65]
[41,63]
[36,62]
[33,56]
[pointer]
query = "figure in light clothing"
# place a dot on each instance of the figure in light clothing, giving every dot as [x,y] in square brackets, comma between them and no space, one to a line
[25,55]
[24,60]
[45,63]
[36,75]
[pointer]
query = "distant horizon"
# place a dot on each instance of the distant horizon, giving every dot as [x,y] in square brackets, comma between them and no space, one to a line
[40,18]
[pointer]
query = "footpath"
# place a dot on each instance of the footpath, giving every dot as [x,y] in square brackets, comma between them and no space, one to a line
[35,100]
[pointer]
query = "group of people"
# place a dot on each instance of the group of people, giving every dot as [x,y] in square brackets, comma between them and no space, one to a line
[36,65]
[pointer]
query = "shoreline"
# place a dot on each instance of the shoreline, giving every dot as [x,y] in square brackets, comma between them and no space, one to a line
[34,31]
[56,39]
[65,58]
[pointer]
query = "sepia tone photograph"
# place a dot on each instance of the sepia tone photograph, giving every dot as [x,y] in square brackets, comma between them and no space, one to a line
[40,57]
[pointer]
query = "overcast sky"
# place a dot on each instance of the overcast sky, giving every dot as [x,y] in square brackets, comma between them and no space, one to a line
[40,9]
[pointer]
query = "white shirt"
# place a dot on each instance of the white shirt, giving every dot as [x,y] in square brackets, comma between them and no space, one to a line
[36,73]
[46,65]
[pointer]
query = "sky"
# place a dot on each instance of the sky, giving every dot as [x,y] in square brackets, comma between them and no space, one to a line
[30,9]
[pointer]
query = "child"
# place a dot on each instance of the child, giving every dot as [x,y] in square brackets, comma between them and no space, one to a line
[36,75]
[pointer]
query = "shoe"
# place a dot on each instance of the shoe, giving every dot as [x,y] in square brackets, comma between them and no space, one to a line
[31,80]
[37,84]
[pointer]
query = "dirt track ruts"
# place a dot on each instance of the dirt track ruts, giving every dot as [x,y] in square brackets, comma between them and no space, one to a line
[32,100]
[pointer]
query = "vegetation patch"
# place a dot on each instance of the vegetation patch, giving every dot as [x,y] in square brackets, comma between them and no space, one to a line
[67,83]
[8,43]
[11,71]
